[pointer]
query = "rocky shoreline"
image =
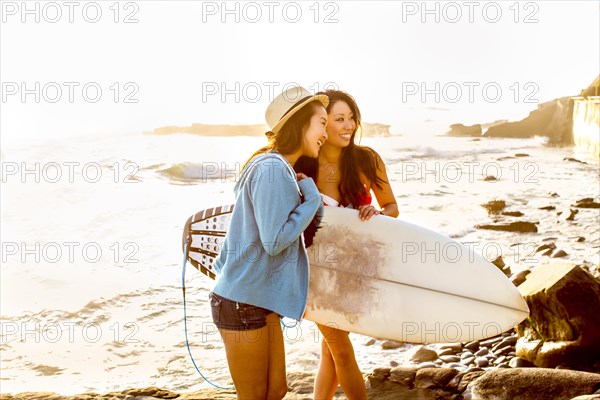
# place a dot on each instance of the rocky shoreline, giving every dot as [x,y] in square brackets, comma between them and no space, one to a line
[486,369]
[399,383]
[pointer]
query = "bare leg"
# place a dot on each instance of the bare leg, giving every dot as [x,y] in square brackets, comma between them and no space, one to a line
[277,378]
[346,369]
[326,381]
[256,361]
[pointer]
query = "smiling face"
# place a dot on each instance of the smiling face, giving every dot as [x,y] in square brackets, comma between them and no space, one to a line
[315,134]
[341,124]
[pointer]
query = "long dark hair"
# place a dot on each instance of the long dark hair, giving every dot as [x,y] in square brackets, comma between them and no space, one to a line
[289,138]
[355,159]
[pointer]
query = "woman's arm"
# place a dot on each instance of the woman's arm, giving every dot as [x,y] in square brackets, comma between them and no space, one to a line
[274,194]
[385,196]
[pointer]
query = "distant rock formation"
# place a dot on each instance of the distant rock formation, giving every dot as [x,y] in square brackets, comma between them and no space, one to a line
[462,130]
[592,90]
[369,130]
[570,120]
[496,122]
[473,130]
[553,119]
[212,130]
[375,129]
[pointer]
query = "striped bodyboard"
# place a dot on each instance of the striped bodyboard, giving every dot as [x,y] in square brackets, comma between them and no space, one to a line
[204,233]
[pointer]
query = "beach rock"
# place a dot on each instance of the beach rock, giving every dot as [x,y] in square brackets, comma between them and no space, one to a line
[499,360]
[474,346]
[520,226]
[563,326]
[572,214]
[520,277]
[391,344]
[507,341]
[380,374]
[427,364]
[450,359]
[394,364]
[428,378]
[547,252]
[482,362]
[586,203]
[518,362]
[300,386]
[482,352]
[547,208]
[386,390]
[402,385]
[490,342]
[574,160]
[456,365]
[521,155]
[424,354]
[499,262]
[549,239]
[559,254]
[403,376]
[490,178]
[462,130]
[546,246]
[465,378]
[531,384]
[504,351]
[467,360]
[494,206]
[474,369]
[512,213]
[446,352]
[455,347]
[580,239]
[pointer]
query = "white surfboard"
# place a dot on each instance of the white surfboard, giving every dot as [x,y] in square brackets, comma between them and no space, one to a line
[387,278]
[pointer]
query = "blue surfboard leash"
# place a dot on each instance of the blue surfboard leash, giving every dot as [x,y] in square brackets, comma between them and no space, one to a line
[187,343]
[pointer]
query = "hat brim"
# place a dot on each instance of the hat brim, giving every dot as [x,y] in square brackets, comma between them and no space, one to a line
[323,99]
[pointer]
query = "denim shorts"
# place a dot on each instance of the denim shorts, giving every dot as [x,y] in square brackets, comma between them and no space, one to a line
[234,316]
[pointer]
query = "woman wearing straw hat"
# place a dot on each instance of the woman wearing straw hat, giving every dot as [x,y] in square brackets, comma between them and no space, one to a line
[346,173]
[263,265]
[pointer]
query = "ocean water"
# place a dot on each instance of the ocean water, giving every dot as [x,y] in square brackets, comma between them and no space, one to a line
[91,295]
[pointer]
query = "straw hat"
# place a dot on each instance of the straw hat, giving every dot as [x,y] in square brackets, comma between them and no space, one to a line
[288,103]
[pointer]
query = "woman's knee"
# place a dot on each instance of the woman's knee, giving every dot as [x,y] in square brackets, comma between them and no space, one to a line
[253,392]
[277,392]
[343,354]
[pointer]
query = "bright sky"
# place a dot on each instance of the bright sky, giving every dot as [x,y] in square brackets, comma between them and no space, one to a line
[191,61]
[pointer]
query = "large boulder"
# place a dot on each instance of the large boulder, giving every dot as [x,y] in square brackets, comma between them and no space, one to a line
[532,384]
[563,327]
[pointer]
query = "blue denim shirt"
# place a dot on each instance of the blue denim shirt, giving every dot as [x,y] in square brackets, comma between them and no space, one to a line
[263,260]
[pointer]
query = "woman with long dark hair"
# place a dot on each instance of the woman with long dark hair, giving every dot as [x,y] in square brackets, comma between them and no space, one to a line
[346,175]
